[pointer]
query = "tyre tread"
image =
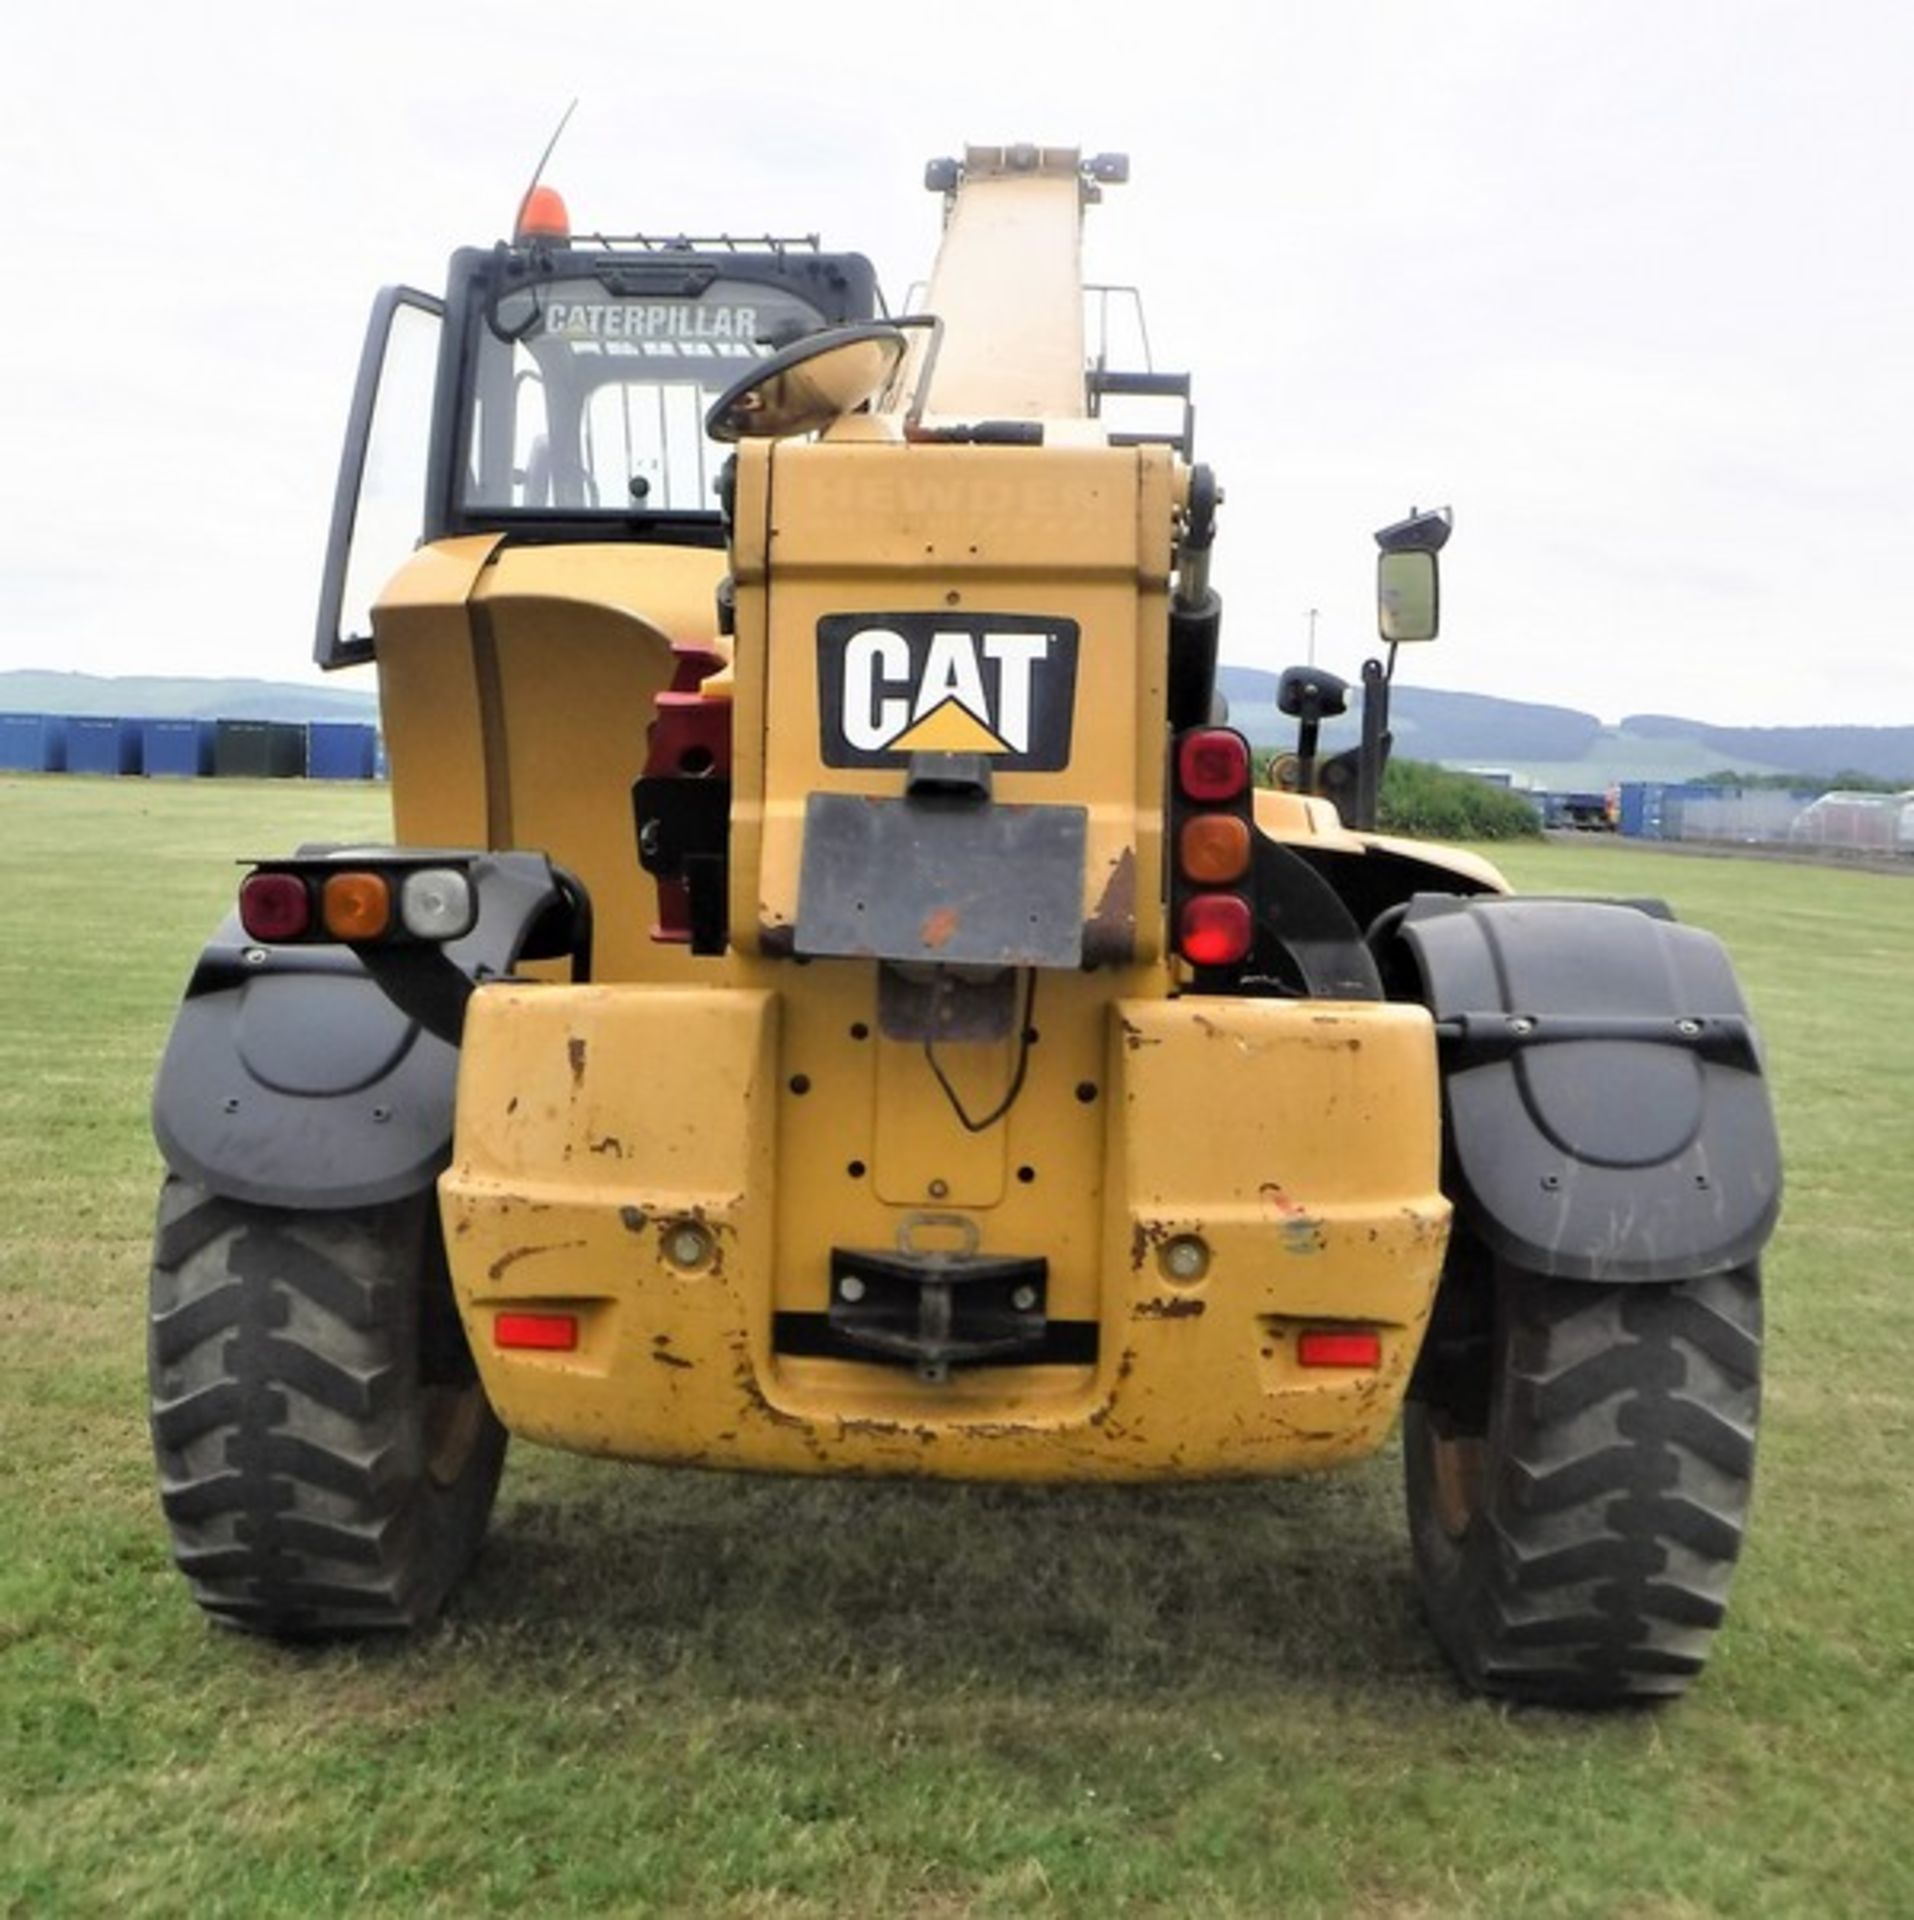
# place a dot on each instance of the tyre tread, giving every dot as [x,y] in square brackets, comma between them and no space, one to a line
[1622,1458]
[286,1419]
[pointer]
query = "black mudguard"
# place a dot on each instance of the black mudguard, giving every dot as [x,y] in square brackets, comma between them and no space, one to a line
[1606,1117]
[293,1078]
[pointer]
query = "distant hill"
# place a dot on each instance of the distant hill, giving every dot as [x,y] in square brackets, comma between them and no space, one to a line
[158,697]
[1559,747]
[1885,752]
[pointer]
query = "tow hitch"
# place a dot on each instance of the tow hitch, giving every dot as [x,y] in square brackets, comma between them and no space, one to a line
[938,1310]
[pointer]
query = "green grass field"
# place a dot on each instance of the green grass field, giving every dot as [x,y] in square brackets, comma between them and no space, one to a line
[680,1693]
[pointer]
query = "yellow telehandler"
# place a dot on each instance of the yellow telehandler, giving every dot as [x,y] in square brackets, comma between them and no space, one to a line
[839,1001]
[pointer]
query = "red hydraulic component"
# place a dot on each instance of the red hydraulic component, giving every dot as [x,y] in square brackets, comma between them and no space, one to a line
[689,740]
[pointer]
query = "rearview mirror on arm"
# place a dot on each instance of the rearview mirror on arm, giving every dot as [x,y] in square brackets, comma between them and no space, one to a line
[1408,596]
[1408,590]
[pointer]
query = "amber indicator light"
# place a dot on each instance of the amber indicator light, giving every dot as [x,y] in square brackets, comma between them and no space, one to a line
[1213,849]
[357,906]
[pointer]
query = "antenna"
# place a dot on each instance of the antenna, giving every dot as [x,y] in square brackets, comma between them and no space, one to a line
[531,187]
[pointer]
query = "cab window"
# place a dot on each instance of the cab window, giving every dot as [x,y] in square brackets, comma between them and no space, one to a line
[587,399]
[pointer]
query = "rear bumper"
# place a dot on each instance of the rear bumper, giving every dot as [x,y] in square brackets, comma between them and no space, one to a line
[1298,1140]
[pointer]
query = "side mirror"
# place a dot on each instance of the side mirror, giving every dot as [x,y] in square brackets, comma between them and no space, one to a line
[1408,593]
[1408,596]
[808,384]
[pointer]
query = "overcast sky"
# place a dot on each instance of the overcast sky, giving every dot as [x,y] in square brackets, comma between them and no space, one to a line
[1630,285]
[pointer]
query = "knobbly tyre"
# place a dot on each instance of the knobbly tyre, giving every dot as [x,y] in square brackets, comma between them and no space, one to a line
[839,1003]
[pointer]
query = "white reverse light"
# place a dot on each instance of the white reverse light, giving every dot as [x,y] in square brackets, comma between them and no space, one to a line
[436,904]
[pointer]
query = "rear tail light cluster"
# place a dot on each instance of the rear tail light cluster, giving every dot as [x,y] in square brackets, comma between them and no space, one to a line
[1212,897]
[361,905]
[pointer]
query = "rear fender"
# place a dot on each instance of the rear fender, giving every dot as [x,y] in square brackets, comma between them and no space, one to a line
[1605,1112]
[293,1078]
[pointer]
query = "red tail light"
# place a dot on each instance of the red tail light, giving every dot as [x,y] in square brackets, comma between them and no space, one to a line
[541,1332]
[275,906]
[1212,764]
[1339,1347]
[1215,930]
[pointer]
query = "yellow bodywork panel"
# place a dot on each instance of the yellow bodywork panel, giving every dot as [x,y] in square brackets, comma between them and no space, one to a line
[429,713]
[1295,1140]
[516,689]
[1305,820]
[1080,536]
[572,1172]
[1011,227]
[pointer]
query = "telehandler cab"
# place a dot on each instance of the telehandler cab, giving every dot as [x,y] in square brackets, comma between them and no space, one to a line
[838,1001]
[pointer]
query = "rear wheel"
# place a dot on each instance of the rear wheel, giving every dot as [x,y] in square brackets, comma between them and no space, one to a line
[1576,1506]
[327,1457]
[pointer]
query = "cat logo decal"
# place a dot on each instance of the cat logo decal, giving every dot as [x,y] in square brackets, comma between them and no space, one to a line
[894,684]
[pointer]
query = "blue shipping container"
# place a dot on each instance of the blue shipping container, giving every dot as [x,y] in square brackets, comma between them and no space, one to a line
[1674,806]
[259,750]
[180,747]
[33,742]
[340,749]
[1641,815]
[94,745]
